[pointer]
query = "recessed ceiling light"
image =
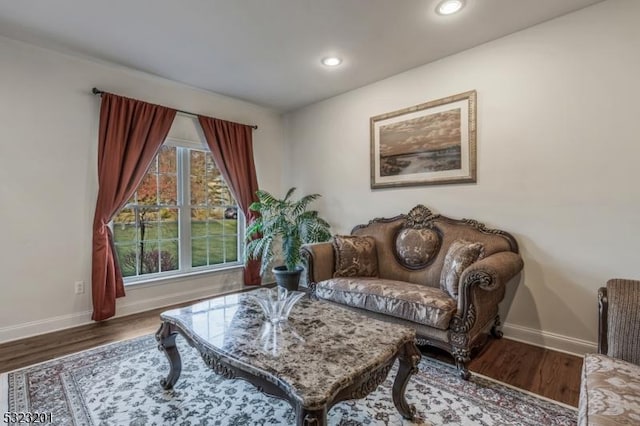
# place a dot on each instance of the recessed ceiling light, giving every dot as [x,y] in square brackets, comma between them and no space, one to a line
[449,7]
[331,61]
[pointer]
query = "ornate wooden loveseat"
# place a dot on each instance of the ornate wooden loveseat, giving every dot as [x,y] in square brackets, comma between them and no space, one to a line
[443,277]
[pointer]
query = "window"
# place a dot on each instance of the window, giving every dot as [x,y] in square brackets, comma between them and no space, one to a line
[181,219]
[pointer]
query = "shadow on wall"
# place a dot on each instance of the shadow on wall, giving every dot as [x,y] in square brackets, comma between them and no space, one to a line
[510,291]
[550,293]
[518,295]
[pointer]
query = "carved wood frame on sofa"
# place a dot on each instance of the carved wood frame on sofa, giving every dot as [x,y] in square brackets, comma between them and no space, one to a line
[469,316]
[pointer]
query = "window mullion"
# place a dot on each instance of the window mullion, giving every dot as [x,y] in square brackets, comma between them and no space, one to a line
[137,239]
[184,197]
[240,224]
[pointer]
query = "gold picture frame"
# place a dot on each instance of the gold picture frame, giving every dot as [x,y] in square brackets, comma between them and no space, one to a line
[432,143]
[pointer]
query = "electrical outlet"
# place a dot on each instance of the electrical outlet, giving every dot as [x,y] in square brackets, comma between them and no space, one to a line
[79,287]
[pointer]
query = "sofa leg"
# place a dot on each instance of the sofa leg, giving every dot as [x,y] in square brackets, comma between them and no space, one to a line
[463,371]
[461,355]
[495,331]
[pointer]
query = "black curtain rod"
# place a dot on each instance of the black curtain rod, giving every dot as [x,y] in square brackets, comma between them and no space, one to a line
[97,91]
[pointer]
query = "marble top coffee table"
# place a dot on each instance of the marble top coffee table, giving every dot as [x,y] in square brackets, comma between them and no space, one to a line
[322,355]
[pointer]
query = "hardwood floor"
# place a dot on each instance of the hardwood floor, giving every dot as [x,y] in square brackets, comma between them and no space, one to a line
[552,374]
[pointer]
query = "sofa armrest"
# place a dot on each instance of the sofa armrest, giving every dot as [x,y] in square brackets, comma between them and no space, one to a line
[488,275]
[320,262]
[620,320]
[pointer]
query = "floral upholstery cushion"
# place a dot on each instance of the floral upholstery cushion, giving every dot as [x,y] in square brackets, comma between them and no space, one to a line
[355,256]
[460,255]
[610,392]
[414,302]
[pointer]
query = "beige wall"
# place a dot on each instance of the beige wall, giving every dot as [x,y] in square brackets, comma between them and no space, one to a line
[558,150]
[48,182]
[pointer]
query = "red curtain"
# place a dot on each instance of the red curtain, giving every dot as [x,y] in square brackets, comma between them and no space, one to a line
[231,146]
[130,135]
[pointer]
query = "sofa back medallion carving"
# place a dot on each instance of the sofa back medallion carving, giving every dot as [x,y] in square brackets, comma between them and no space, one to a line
[418,242]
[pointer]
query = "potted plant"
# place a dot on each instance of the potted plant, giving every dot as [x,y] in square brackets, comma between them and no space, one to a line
[288,223]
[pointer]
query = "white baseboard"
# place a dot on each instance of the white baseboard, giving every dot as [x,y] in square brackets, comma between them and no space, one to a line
[519,333]
[33,328]
[47,325]
[547,340]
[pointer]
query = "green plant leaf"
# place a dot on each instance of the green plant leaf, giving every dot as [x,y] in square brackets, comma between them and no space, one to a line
[289,193]
[287,222]
[256,227]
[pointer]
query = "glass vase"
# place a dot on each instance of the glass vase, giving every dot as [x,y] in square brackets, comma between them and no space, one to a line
[277,303]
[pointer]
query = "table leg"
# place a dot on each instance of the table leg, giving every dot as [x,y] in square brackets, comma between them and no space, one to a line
[409,357]
[306,417]
[166,337]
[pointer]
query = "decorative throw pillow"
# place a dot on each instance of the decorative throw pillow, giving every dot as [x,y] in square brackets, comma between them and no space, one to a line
[460,255]
[355,256]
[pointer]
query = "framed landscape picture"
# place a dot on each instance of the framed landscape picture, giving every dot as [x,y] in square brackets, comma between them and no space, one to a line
[428,144]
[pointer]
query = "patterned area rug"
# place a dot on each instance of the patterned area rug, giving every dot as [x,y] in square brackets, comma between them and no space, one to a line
[118,384]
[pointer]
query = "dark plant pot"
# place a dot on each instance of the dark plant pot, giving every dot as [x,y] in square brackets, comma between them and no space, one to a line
[287,279]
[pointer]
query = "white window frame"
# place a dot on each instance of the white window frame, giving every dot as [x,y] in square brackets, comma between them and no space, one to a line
[184,223]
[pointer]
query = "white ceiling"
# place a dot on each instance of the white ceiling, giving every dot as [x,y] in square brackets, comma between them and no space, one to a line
[268,51]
